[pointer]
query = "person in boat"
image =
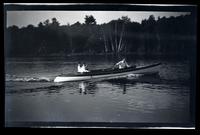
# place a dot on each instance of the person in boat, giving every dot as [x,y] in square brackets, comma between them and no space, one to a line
[79,69]
[122,64]
[82,69]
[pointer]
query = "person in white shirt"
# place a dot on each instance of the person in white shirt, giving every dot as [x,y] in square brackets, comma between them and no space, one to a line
[82,69]
[79,68]
[122,64]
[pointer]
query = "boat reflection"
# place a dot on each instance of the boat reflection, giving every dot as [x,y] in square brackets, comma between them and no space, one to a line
[90,87]
[87,87]
[124,89]
[82,86]
[122,83]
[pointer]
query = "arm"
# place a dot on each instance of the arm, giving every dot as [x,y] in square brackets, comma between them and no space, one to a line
[127,64]
[118,63]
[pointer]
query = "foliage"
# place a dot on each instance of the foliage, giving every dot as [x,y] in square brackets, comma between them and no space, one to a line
[173,35]
[90,20]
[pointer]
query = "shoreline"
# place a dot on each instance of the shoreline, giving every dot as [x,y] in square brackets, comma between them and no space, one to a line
[157,55]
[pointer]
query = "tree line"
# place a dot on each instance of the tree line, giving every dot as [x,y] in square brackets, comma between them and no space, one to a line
[164,36]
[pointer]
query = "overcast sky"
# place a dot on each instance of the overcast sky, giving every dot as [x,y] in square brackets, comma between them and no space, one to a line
[24,18]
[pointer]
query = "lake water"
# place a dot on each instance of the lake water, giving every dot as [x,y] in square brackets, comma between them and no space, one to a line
[32,96]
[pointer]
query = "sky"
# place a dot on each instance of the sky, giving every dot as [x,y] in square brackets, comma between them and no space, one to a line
[24,18]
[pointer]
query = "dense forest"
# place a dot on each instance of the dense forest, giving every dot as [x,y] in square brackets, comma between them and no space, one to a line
[162,36]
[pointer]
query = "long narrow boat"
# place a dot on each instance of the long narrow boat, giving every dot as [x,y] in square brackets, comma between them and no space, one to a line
[108,73]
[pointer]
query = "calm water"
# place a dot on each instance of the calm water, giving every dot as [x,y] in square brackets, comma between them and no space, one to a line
[31,95]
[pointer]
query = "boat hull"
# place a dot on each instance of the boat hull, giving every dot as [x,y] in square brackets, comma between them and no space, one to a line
[140,70]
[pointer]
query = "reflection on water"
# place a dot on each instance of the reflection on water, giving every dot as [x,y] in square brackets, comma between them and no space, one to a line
[87,87]
[31,95]
[124,89]
[32,88]
[90,87]
[82,86]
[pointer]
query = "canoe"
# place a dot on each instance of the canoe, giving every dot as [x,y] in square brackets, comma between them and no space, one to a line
[109,73]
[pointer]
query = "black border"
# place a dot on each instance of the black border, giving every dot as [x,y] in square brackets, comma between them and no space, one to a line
[102,7]
[99,124]
[107,7]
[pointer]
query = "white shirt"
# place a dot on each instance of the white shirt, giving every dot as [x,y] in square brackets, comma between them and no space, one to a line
[82,69]
[122,64]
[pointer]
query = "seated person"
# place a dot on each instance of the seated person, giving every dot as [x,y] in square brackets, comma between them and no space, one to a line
[82,69]
[122,64]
